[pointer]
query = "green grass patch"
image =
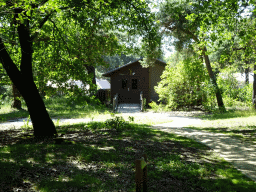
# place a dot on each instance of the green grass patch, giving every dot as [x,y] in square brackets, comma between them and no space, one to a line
[59,107]
[100,157]
[232,113]
[239,124]
[8,113]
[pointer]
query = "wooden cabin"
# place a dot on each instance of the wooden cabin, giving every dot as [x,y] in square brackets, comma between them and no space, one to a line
[132,79]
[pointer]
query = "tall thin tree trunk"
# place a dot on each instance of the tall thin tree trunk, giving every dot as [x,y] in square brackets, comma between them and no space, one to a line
[254,88]
[91,71]
[214,82]
[246,71]
[16,97]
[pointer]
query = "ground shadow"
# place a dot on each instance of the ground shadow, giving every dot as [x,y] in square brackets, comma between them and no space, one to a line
[91,159]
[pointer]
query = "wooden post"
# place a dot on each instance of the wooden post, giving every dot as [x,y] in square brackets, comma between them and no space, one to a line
[145,174]
[115,102]
[141,101]
[141,173]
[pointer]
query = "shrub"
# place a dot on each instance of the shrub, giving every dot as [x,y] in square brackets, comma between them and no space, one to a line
[183,85]
[118,123]
[233,91]
[245,94]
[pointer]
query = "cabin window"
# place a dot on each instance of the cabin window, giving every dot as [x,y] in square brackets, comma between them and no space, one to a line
[124,83]
[134,83]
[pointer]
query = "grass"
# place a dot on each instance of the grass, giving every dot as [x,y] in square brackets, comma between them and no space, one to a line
[8,113]
[57,107]
[240,124]
[95,157]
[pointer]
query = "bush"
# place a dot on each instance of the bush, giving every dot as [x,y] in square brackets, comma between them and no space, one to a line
[118,123]
[156,107]
[234,92]
[245,94]
[6,92]
[184,85]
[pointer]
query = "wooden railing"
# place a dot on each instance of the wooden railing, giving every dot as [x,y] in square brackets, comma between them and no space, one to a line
[141,101]
[115,103]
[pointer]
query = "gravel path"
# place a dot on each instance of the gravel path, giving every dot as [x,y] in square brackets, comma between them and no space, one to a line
[241,154]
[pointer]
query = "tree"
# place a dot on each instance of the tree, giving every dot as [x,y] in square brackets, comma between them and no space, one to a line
[184,84]
[116,61]
[233,25]
[173,18]
[24,21]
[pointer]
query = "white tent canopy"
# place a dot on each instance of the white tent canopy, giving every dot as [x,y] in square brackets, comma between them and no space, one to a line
[101,83]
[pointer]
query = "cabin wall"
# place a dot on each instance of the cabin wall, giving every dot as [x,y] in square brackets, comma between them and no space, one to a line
[155,73]
[132,71]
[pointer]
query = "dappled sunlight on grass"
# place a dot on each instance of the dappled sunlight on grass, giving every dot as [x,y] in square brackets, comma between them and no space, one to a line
[93,157]
[240,127]
[229,114]
[8,113]
[59,107]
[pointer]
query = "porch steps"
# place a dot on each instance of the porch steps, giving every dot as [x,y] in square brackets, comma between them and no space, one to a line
[128,108]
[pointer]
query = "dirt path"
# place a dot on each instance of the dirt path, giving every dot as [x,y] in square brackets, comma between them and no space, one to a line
[242,155]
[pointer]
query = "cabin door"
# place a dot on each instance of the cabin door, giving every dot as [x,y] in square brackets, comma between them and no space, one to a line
[130,89]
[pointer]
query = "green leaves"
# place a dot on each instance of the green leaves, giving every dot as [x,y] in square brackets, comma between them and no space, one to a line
[182,84]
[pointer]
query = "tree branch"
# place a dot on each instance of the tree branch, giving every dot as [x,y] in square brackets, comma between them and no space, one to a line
[61,36]
[41,23]
[241,48]
[10,68]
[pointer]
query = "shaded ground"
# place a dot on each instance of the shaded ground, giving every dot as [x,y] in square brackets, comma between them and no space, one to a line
[92,159]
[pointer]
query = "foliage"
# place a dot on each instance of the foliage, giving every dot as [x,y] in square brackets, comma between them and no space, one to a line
[116,61]
[184,85]
[232,90]
[182,20]
[245,94]
[118,123]
[157,107]
[25,126]
[65,37]
[5,92]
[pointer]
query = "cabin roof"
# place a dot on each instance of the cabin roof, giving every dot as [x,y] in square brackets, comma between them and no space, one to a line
[109,73]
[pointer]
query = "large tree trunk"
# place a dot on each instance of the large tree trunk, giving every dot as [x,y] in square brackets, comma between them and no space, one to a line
[23,80]
[214,82]
[91,71]
[42,123]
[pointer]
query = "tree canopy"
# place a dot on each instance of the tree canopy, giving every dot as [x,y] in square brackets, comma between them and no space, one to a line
[59,38]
